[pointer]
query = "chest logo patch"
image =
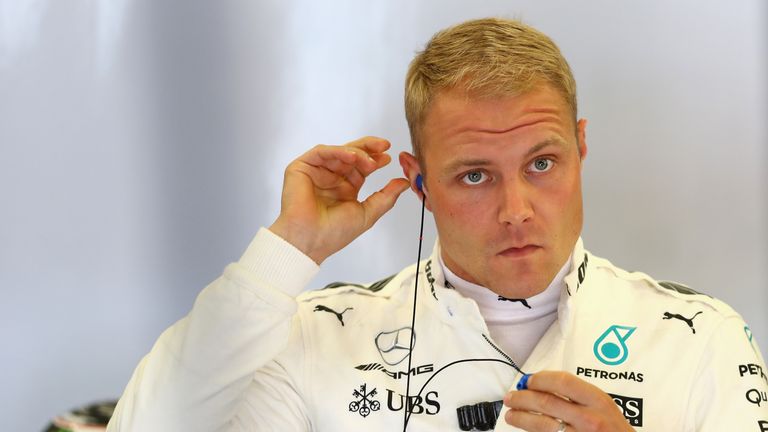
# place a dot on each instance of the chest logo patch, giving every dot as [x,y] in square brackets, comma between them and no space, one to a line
[364,402]
[611,347]
[689,321]
[339,315]
[523,301]
[393,345]
[748,332]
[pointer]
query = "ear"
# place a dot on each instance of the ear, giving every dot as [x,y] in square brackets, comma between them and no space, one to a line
[411,170]
[581,134]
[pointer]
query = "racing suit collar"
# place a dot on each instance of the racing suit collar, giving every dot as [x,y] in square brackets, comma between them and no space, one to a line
[448,303]
[578,274]
[497,308]
[442,298]
[575,281]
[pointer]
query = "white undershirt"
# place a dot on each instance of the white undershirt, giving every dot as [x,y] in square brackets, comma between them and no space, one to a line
[515,328]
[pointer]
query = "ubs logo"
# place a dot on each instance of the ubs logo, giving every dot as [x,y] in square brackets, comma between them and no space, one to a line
[611,347]
[632,408]
[428,404]
[364,402]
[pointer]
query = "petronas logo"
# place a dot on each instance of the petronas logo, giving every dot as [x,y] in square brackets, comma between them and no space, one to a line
[611,347]
[748,332]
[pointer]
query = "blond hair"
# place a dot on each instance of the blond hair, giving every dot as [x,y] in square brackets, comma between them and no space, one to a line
[488,57]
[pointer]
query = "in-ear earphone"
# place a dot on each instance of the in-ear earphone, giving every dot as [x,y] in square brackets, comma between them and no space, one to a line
[419,183]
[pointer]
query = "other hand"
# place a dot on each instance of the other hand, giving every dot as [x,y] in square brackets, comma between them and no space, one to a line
[555,397]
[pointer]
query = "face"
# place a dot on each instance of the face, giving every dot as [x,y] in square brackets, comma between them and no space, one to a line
[503,181]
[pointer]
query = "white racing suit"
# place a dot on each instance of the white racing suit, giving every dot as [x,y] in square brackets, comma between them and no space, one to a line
[252,357]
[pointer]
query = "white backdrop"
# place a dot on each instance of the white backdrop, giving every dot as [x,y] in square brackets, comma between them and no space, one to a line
[142,145]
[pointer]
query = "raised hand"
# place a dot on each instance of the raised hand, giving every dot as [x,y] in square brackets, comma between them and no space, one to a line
[320,212]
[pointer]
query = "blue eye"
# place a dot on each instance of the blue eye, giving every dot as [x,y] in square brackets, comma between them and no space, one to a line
[474,177]
[541,165]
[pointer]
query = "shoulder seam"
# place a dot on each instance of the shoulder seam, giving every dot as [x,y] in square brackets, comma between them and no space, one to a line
[336,288]
[693,296]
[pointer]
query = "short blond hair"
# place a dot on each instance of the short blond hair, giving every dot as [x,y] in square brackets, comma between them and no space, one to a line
[489,57]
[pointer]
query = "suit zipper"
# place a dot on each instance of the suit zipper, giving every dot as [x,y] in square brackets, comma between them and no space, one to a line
[503,354]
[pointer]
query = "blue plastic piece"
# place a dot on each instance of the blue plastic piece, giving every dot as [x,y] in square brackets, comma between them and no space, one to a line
[523,383]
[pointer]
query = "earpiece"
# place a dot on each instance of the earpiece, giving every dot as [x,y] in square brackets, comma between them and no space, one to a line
[419,183]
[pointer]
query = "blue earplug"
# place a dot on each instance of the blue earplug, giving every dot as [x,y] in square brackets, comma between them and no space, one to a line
[523,383]
[419,183]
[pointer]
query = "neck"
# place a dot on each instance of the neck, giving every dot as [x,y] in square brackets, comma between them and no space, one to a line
[463,285]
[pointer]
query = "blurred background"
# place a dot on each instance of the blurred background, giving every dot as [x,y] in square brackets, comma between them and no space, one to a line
[142,144]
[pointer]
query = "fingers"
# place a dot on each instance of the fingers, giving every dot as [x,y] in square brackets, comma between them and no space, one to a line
[554,395]
[533,422]
[531,407]
[569,386]
[337,159]
[370,144]
[382,201]
[540,412]
[352,162]
[370,149]
[365,152]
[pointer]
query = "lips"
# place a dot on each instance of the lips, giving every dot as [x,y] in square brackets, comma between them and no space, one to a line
[519,252]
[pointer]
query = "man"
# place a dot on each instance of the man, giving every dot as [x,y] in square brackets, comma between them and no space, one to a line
[497,159]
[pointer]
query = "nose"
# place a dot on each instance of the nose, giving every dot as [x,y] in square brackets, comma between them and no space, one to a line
[514,202]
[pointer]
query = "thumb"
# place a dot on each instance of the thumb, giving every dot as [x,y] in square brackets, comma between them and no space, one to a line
[382,201]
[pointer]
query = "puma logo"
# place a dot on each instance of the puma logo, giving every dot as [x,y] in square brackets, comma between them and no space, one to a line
[688,321]
[339,315]
[523,301]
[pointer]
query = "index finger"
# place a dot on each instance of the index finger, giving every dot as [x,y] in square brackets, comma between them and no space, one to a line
[567,385]
[370,144]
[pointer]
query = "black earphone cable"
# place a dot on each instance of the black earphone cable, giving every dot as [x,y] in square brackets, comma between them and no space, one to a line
[406,416]
[511,363]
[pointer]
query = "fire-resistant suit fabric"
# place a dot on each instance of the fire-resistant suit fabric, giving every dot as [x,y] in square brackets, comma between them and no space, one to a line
[258,354]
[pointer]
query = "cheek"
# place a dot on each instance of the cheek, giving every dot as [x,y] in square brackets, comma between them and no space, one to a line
[559,202]
[461,209]
[565,189]
[567,205]
[462,221]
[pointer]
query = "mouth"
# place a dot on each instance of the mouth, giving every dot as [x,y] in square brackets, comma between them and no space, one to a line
[519,252]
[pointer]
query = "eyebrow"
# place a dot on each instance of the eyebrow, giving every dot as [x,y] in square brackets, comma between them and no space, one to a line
[461,163]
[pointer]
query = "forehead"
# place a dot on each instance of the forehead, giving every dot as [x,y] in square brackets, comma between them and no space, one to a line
[457,118]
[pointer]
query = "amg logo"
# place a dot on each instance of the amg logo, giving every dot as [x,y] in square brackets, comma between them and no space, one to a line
[418,370]
[632,408]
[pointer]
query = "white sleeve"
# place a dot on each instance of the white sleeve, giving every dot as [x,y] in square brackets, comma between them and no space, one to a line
[200,374]
[273,400]
[730,392]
